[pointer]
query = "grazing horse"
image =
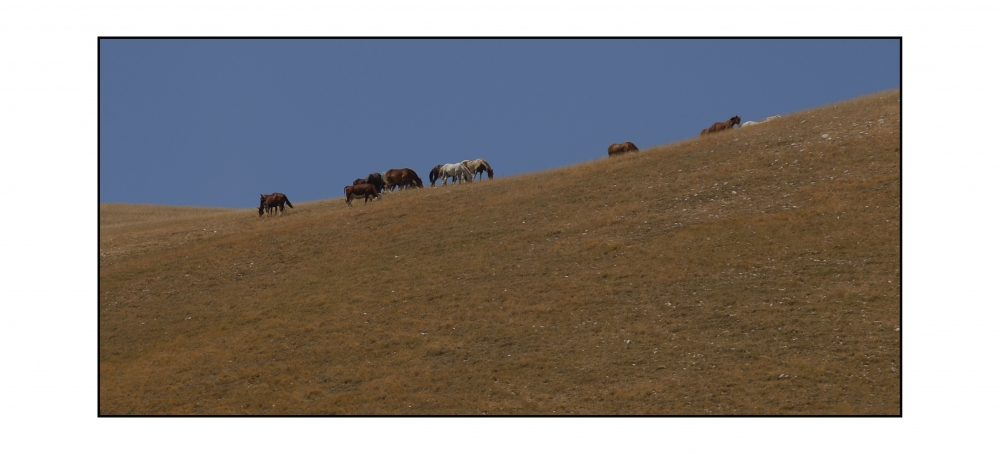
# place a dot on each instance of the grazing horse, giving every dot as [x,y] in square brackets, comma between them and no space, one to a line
[456,171]
[276,200]
[477,167]
[751,123]
[375,179]
[621,148]
[720,126]
[358,191]
[401,178]
[435,174]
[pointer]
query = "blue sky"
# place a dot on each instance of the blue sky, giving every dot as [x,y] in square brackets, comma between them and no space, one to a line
[216,122]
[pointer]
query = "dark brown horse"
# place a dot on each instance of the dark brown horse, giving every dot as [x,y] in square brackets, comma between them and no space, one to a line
[376,179]
[720,126]
[276,201]
[621,148]
[401,178]
[435,174]
[373,178]
[358,191]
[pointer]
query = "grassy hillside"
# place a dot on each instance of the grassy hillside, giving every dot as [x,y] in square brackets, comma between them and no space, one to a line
[753,271]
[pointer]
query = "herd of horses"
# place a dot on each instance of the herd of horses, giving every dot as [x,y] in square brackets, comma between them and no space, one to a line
[371,188]
[376,184]
[622,148]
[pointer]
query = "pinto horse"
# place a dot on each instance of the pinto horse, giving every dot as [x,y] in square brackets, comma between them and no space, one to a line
[401,178]
[621,148]
[720,126]
[358,191]
[456,171]
[276,201]
[477,167]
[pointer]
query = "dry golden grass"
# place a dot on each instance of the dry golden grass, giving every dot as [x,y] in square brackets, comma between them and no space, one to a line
[753,271]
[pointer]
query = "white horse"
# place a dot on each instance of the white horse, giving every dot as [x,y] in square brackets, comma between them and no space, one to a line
[751,123]
[478,166]
[455,171]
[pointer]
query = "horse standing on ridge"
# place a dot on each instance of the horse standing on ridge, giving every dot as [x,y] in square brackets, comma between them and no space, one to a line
[720,126]
[375,179]
[435,174]
[360,190]
[401,178]
[457,171]
[751,123]
[276,201]
[621,148]
[477,167]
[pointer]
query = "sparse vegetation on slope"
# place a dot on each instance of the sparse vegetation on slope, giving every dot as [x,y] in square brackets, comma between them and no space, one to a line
[751,271]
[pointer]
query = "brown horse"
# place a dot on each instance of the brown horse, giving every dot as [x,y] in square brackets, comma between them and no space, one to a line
[276,201]
[358,191]
[621,148]
[720,126]
[401,178]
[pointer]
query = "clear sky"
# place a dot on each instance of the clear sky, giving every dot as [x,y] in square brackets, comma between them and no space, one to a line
[216,122]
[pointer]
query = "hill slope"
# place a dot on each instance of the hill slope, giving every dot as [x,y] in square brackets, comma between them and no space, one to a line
[753,271]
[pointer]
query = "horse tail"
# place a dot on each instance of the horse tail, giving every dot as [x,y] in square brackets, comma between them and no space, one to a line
[289,202]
